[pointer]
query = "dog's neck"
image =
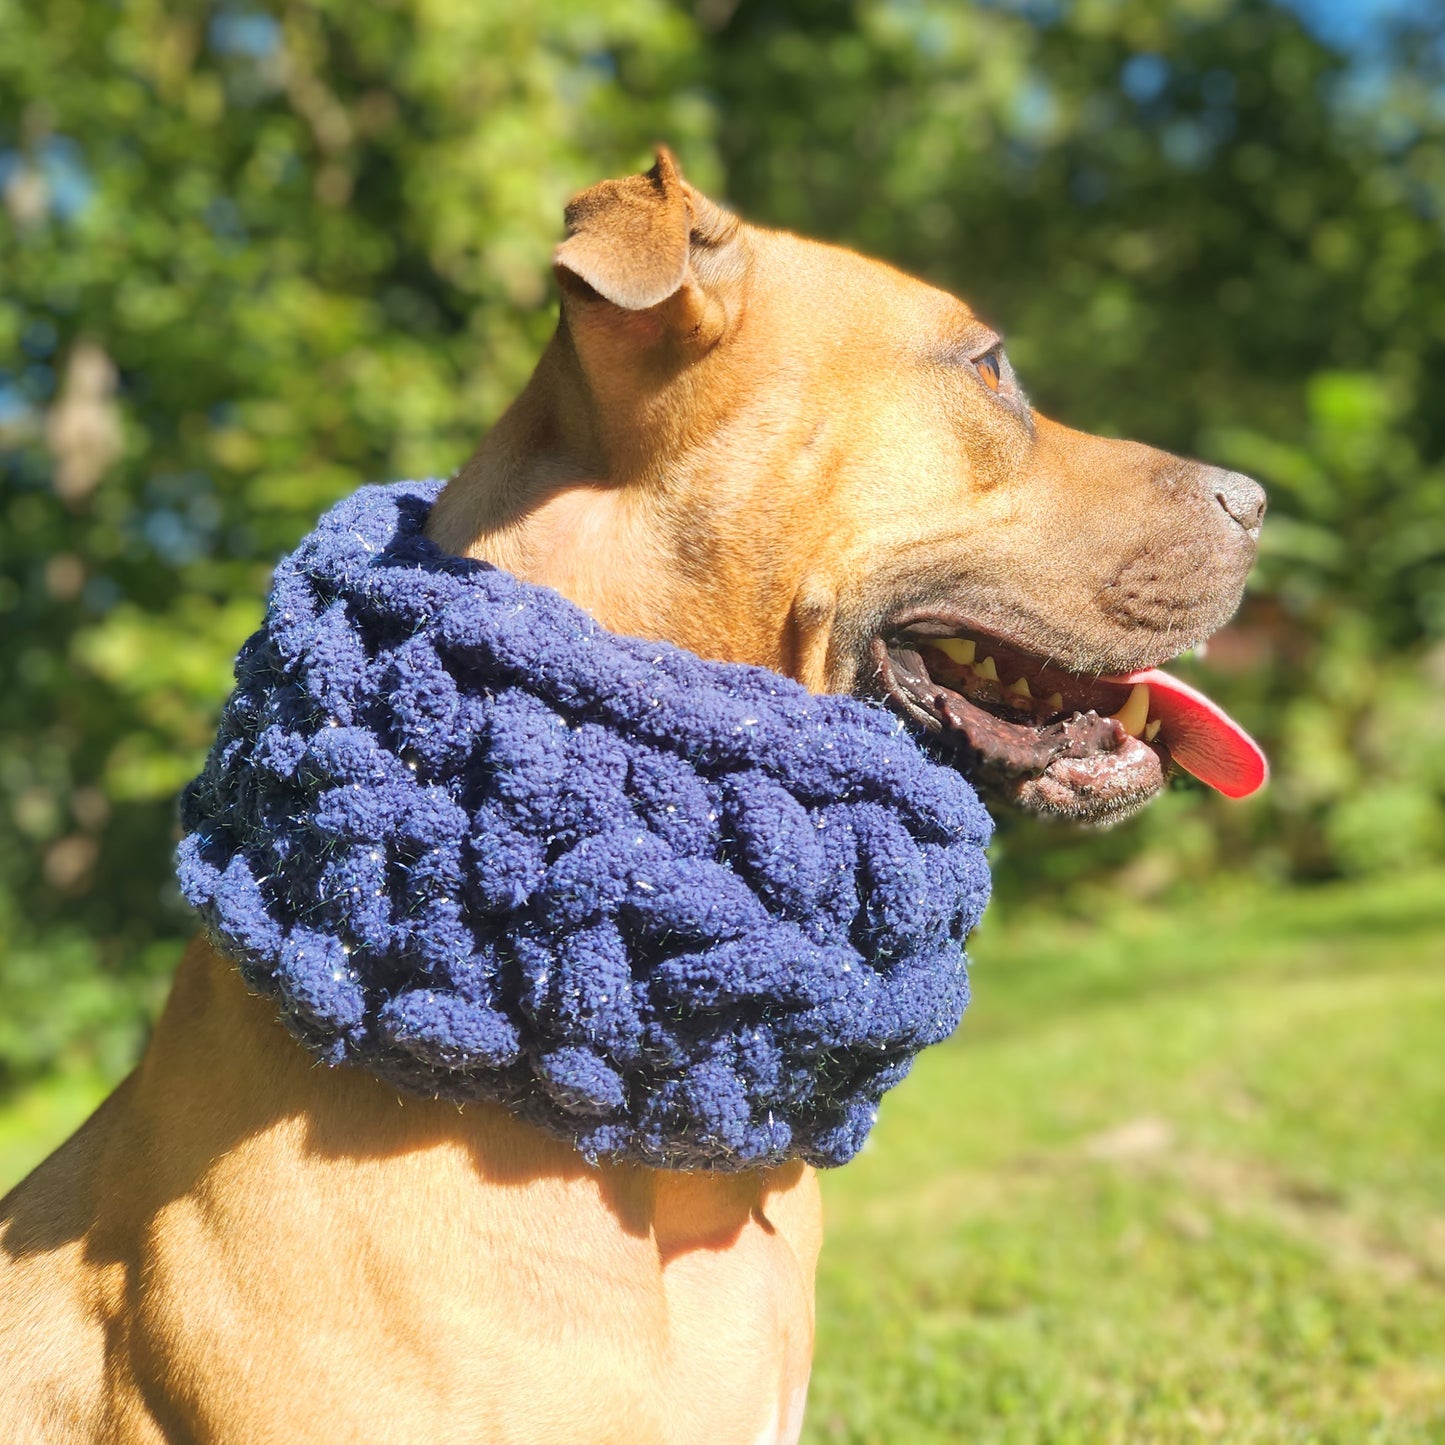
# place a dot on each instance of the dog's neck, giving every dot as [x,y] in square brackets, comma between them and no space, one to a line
[538,499]
[555,495]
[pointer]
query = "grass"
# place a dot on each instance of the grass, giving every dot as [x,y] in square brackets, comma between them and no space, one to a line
[1180,1177]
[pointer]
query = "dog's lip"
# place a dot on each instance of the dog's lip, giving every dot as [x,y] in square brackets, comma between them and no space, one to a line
[1022,715]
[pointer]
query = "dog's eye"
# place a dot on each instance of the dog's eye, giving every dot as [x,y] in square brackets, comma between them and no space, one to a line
[987,365]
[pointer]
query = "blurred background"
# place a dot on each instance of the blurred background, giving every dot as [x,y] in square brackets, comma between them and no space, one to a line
[1182,1174]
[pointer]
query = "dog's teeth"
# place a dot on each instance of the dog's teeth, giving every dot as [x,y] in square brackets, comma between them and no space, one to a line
[1056,702]
[1020,686]
[958,649]
[1151,730]
[1135,713]
[987,670]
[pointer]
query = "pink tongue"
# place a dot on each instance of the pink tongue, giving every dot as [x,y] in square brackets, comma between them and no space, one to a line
[1201,737]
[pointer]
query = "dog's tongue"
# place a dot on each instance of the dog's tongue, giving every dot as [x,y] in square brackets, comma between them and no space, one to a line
[1202,738]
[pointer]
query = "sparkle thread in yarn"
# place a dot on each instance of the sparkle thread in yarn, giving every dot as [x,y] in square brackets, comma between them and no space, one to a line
[673,911]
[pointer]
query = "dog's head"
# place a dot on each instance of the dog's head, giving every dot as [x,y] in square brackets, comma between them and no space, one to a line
[772,450]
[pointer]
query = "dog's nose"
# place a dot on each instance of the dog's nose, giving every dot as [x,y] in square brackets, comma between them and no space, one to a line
[1242,497]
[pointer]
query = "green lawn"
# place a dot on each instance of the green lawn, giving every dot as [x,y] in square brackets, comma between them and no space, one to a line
[1180,1177]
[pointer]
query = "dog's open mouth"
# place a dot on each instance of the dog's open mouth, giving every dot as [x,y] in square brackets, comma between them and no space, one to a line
[1088,748]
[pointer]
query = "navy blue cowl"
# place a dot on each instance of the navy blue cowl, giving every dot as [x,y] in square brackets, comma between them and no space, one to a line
[674,911]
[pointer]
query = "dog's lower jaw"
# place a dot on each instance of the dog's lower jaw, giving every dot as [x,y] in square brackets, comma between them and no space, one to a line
[439,1271]
[1081,768]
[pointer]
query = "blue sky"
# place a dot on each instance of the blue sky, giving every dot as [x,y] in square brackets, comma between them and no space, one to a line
[1352,23]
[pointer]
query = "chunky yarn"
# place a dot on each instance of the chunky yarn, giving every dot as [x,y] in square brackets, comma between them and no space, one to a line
[674,911]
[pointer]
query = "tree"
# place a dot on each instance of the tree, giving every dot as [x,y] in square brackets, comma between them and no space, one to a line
[255,255]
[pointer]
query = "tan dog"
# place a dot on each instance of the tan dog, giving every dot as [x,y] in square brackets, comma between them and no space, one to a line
[763,449]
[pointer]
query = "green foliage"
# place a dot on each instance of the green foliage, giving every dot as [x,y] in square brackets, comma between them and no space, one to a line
[253,256]
[250,260]
[1200,227]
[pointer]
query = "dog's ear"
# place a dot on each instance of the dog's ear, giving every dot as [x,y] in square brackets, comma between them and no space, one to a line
[628,240]
[631,244]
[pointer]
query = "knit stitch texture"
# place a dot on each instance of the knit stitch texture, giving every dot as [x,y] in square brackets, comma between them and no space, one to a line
[674,911]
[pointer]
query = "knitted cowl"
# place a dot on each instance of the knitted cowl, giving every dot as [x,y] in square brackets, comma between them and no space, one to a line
[673,911]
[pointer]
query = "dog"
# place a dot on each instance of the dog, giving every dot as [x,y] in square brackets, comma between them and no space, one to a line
[766,450]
